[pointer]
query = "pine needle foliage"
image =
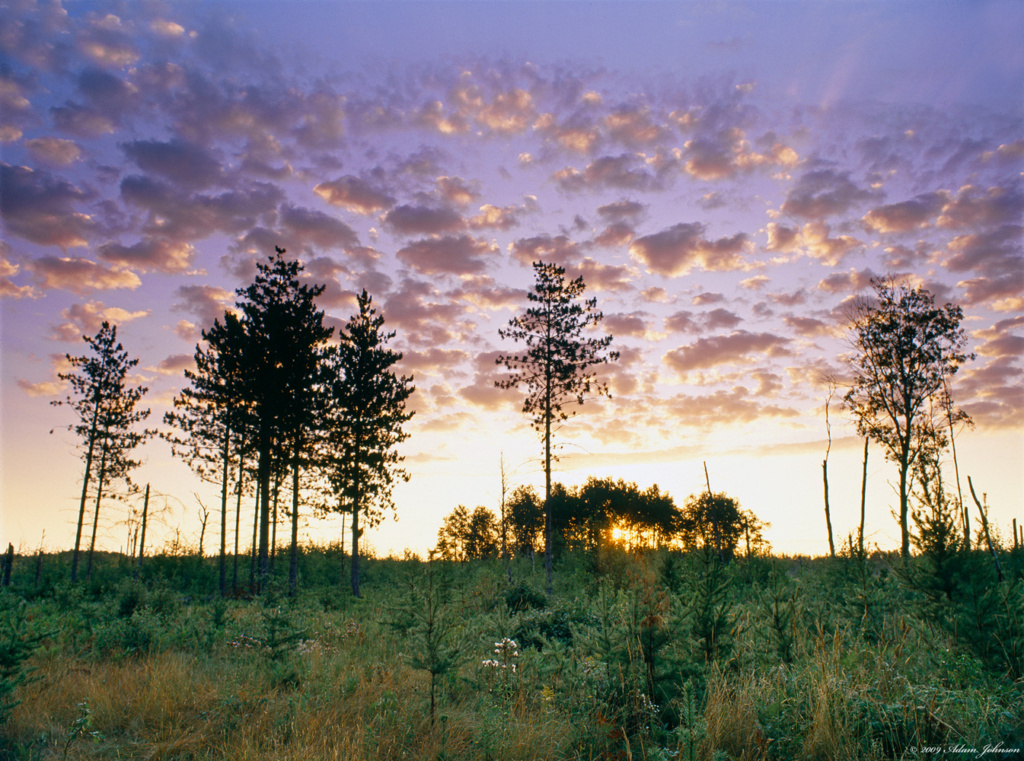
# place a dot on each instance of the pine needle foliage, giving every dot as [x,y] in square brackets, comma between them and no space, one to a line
[557,367]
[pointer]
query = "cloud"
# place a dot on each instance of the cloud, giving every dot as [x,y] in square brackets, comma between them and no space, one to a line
[822,193]
[355,195]
[150,254]
[616,235]
[434,360]
[43,388]
[602,277]
[720,318]
[808,326]
[109,41]
[633,126]
[994,253]
[634,324]
[735,406]
[973,207]
[706,297]
[682,322]
[424,316]
[176,214]
[678,249]
[312,228]
[88,318]
[422,220]
[206,302]
[79,275]
[456,190]
[40,207]
[497,217]
[557,249]
[625,172]
[451,255]
[176,365]
[723,154]
[508,112]
[8,289]
[54,151]
[906,216]
[847,282]
[721,350]
[621,211]
[185,164]
[812,240]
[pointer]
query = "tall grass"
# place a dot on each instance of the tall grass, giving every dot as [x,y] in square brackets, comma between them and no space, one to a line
[616,665]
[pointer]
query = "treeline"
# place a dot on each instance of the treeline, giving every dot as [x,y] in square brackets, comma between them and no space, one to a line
[600,513]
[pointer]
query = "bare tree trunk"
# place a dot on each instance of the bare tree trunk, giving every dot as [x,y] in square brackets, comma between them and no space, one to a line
[504,524]
[8,564]
[988,536]
[273,520]
[263,513]
[355,549]
[293,560]
[85,489]
[223,565]
[238,518]
[905,504]
[828,514]
[824,476]
[255,526]
[863,498]
[964,514]
[142,538]
[344,515]
[548,518]
[96,515]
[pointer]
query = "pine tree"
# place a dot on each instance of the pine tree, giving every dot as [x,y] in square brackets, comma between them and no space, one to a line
[365,418]
[209,415]
[282,366]
[105,406]
[557,365]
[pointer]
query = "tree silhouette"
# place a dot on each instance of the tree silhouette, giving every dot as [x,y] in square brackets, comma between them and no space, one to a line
[210,412]
[906,349]
[365,417]
[525,517]
[281,370]
[105,407]
[557,365]
[715,522]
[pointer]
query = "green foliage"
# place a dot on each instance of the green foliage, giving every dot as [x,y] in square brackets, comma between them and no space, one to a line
[907,348]
[17,643]
[431,640]
[662,655]
[710,607]
[779,604]
[468,536]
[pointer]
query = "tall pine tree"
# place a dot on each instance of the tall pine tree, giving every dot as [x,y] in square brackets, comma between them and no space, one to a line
[108,420]
[366,417]
[557,365]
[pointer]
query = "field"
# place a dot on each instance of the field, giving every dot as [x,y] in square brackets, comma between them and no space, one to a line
[659,655]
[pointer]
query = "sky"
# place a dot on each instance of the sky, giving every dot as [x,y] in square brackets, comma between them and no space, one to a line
[727,177]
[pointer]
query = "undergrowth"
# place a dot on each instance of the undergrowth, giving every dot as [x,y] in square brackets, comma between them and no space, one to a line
[662,656]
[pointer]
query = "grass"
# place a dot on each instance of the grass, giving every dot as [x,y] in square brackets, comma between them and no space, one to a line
[616,666]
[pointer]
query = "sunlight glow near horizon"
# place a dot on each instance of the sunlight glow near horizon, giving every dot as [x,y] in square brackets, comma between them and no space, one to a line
[726,177]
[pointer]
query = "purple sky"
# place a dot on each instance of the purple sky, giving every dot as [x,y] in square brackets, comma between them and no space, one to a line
[726,177]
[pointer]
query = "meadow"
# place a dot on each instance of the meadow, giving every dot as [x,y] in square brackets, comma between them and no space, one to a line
[649,655]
